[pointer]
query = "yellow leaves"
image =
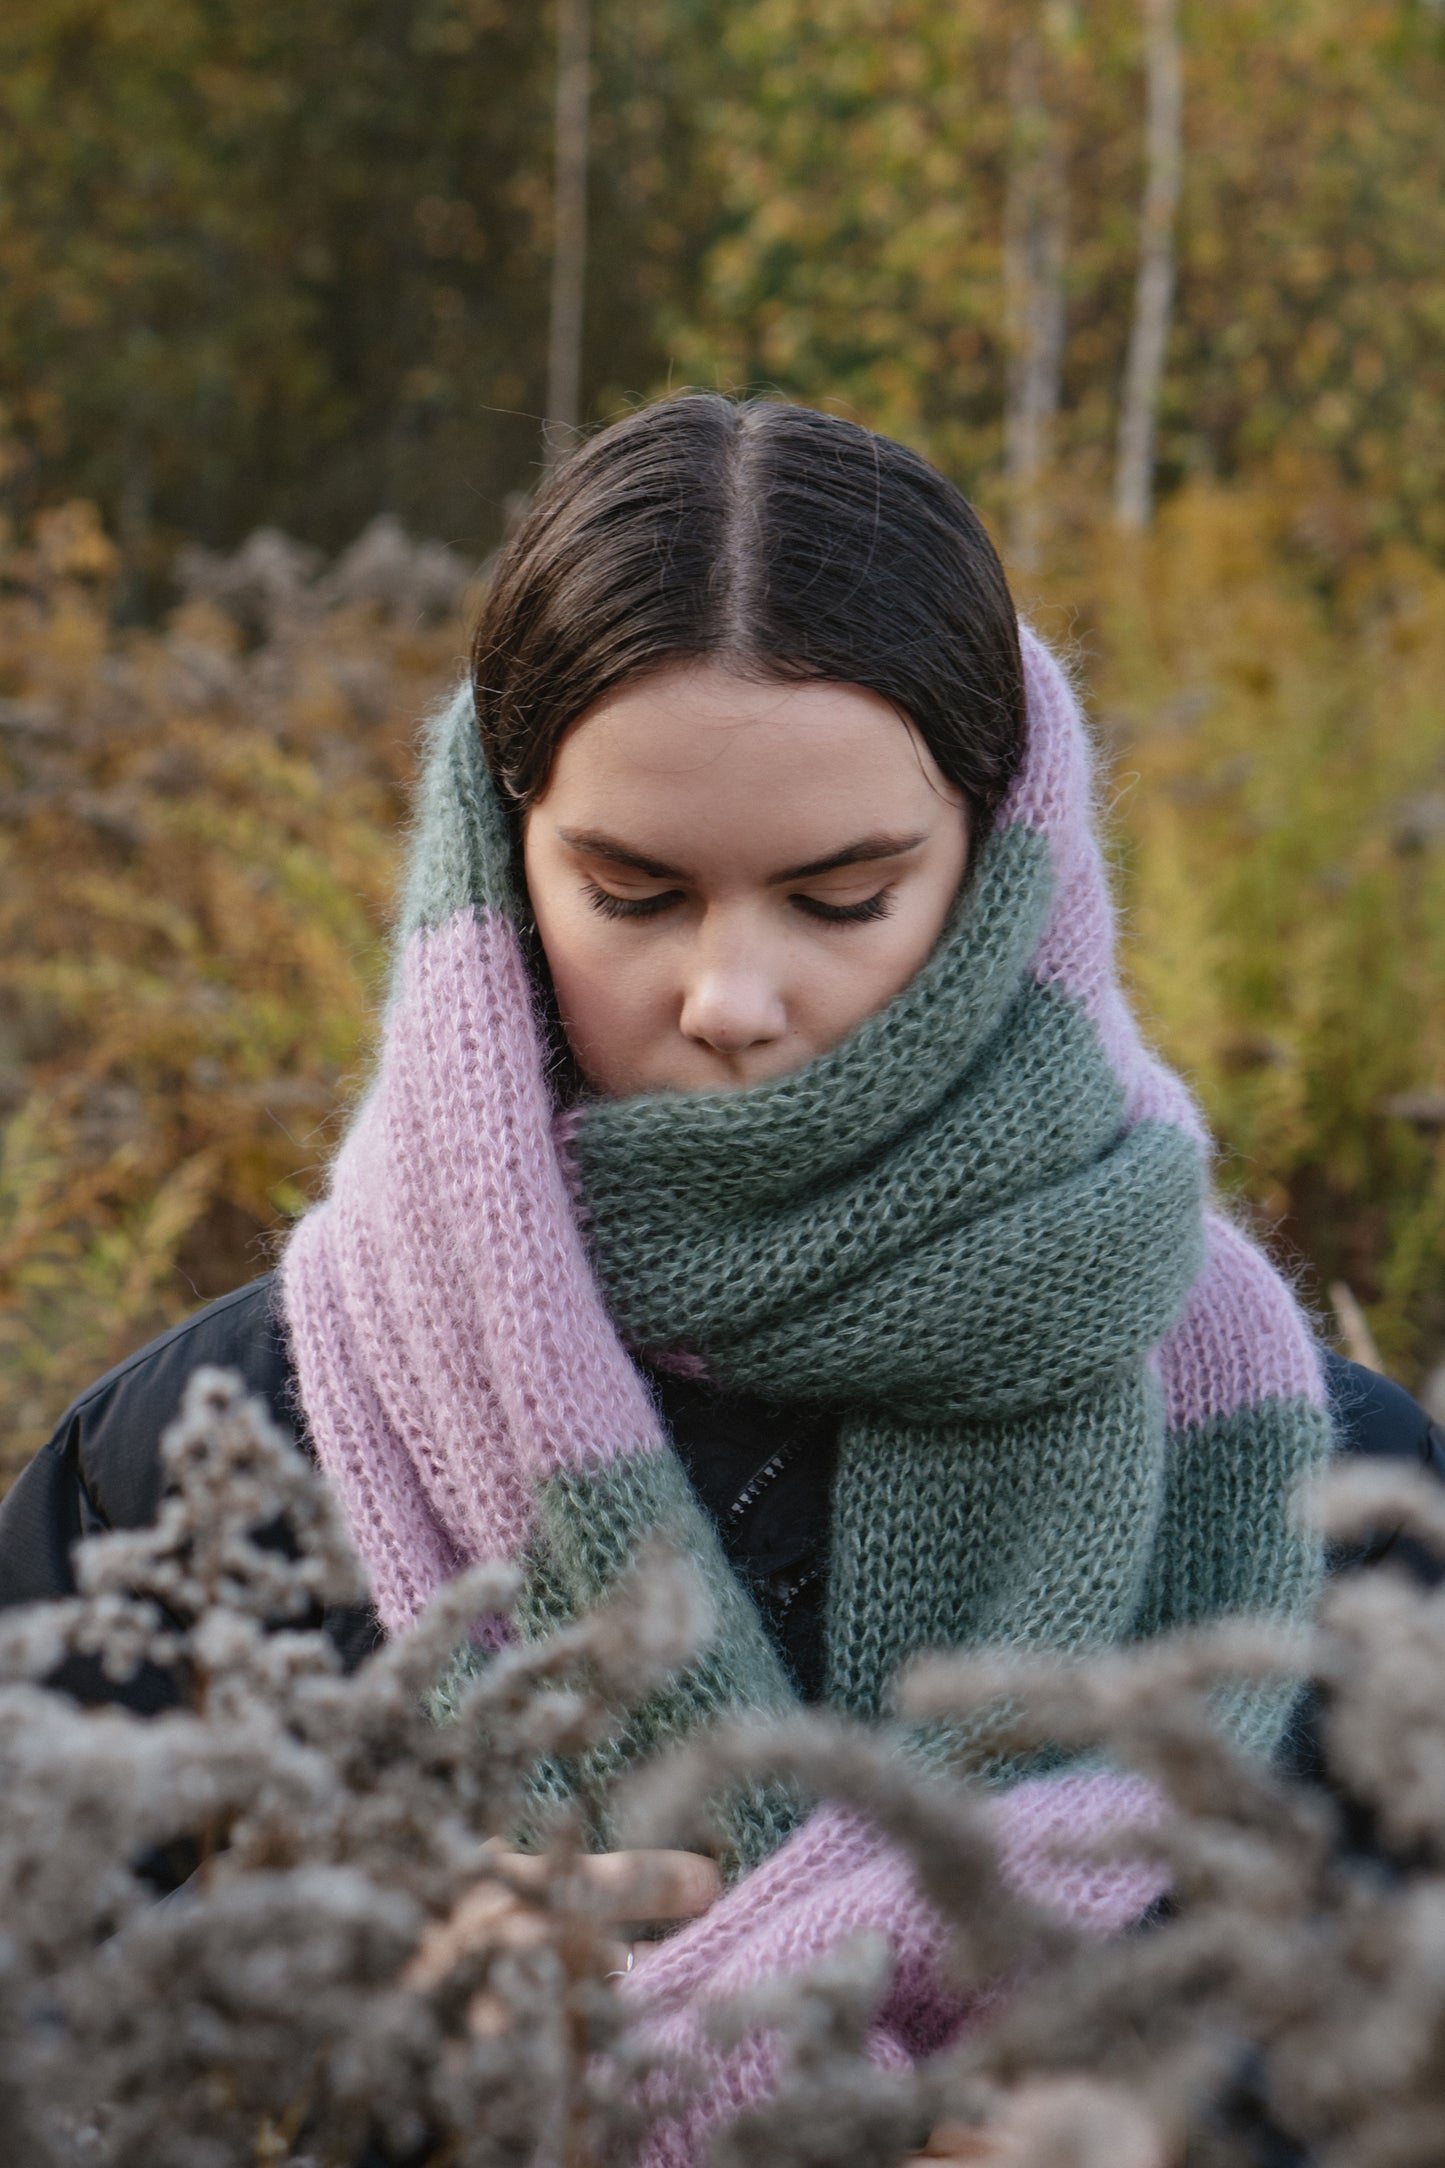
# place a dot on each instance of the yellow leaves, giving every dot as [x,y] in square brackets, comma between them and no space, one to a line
[70,544]
[149,1256]
[1280,821]
[194,879]
[1176,951]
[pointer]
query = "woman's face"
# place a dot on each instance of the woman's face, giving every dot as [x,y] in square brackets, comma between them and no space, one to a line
[728,876]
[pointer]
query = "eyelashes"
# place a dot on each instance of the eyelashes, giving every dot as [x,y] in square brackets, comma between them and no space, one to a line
[830,914]
[609,906]
[846,914]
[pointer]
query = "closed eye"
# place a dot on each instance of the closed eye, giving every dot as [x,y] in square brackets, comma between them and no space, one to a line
[607,905]
[846,914]
[602,900]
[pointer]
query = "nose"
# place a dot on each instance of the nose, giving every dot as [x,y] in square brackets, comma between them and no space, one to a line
[731,999]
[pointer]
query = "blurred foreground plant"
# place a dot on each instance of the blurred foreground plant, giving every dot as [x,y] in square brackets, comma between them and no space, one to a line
[1284,2007]
[1291,2006]
[289,1998]
[256,1926]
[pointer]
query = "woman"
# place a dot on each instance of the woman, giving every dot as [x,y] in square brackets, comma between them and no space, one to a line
[761,1153]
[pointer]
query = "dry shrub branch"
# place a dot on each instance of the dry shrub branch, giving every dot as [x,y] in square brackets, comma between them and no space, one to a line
[271,1923]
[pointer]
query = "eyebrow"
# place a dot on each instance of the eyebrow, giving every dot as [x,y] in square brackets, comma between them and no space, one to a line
[594,843]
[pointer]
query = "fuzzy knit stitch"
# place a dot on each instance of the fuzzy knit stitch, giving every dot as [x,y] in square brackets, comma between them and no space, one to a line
[836,1878]
[1073,1401]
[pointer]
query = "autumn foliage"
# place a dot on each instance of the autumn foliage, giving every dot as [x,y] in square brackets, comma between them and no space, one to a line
[271,1925]
[200,832]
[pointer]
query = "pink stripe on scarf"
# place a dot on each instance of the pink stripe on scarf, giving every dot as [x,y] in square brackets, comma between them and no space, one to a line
[1240,1339]
[408,1555]
[452,1347]
[837,1877]
[1053,792]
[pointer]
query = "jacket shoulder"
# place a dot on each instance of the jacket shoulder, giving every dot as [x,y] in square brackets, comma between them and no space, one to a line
[1378,1420]
[1375,1419]
[101,1468]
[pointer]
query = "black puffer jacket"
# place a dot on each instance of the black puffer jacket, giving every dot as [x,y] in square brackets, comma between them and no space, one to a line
[761,1472]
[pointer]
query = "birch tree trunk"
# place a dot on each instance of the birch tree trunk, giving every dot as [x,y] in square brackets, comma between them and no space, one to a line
[1035,245]
[569,238]
[1154,291]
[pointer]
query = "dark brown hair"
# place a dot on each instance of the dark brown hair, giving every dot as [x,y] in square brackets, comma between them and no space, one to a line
[786,543]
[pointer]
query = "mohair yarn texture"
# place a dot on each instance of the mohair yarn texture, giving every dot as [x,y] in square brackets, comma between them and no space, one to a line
[1074,1402]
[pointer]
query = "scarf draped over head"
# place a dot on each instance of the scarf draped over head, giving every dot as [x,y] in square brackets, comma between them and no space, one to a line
[1073,1400]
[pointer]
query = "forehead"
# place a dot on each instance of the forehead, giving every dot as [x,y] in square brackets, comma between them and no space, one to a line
[695,748]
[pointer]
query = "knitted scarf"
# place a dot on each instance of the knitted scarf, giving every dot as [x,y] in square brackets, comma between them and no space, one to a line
[1073,1401]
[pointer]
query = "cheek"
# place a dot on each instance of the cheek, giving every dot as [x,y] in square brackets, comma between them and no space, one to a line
[608,991]
[608,999]
[876,966]
[865,974]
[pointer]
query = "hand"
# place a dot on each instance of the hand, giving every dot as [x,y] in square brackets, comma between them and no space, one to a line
[502,1914]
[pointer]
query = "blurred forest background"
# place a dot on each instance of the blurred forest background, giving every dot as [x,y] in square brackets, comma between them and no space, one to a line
[1160,283]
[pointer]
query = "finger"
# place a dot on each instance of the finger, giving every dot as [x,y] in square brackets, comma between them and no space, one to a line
[490,2015]
[487,1916]
[641,1885]
[652,1885]
[490,1917]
